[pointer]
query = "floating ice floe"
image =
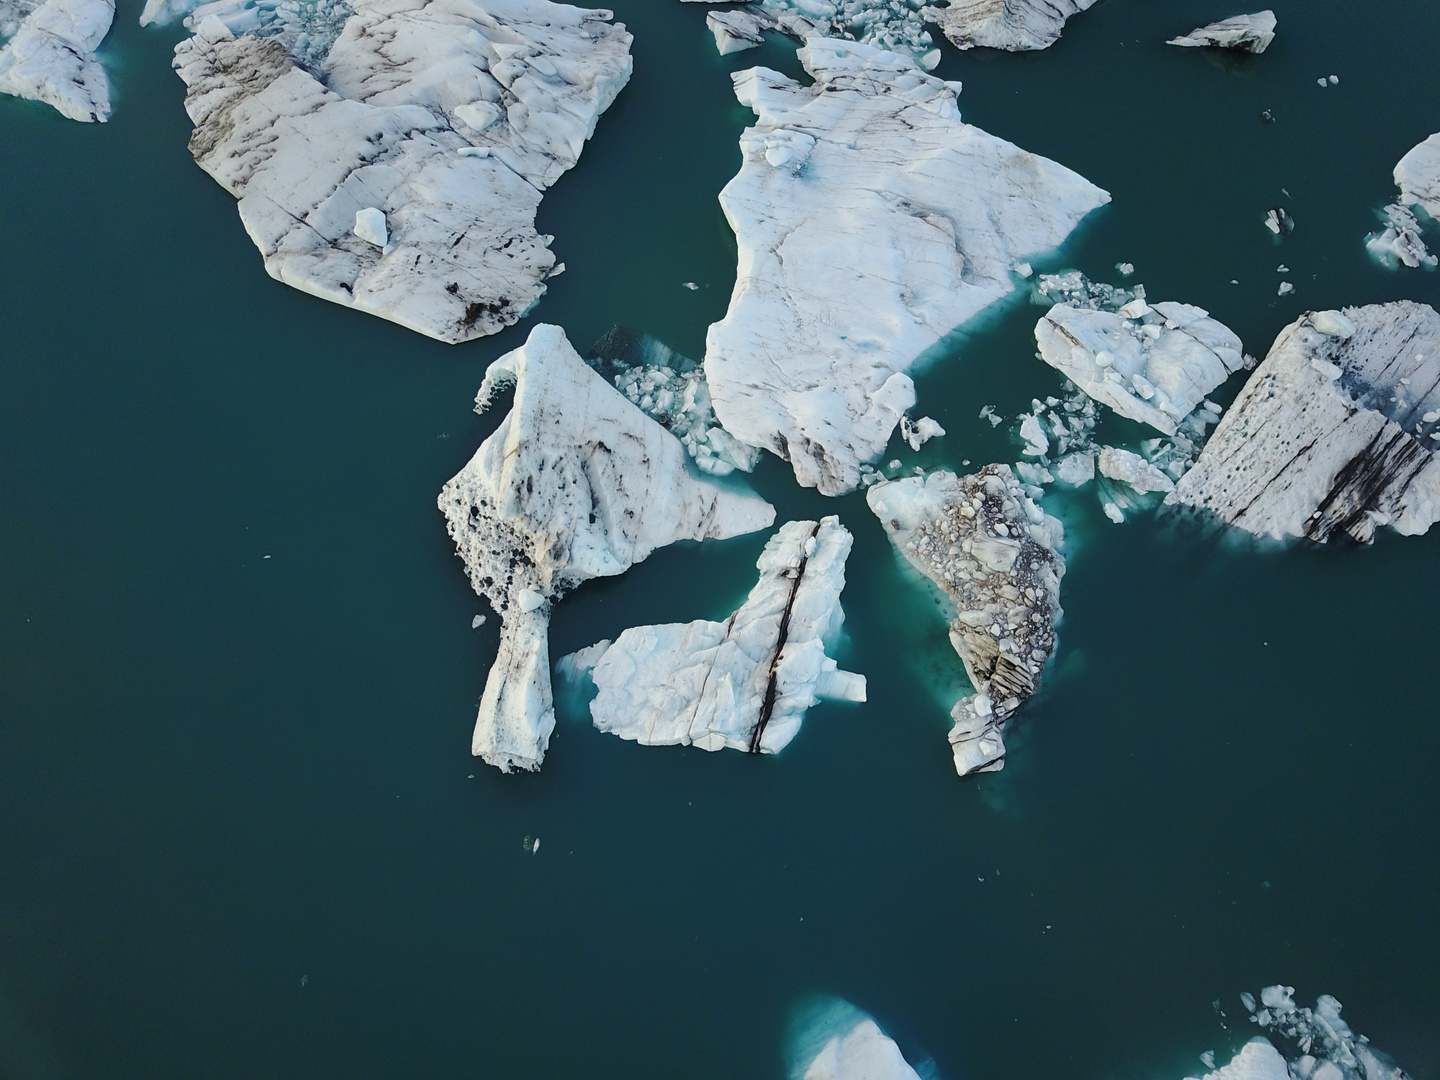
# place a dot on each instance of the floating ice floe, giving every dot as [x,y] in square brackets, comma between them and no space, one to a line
[1417,175]
[842,1043]
[671,389]
[50,55]
[996,555]
[448,118]
[871,221]
[1335,431]
[1152,363]
[746,682]
[575,483]
[895,25]
[918,432]
[1013,25]
[1244,33]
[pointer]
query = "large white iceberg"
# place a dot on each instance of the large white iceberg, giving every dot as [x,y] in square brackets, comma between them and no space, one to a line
[50,55]
[871,221]
[575,483]
[1013,25]
[1335,431]
[449,117]
[996,555]
[1244,33]
[1154,364]
[744,683]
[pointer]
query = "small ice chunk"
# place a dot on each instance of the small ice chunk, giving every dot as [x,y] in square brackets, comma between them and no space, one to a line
[1037,443]
[1132,469]
[918,432]
[1125,268]
[1332,324]
[1321,81]
[1113,513]
[1282,269]
[370,226]
[1024,269]
[1334,80]
[530,599]
[478,115]
[1248,1000]
[1285,288]
[1077,468]
[477,622]
[691,286]
[989,413]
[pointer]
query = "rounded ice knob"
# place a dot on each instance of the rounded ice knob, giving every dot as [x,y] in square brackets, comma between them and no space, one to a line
[370,226]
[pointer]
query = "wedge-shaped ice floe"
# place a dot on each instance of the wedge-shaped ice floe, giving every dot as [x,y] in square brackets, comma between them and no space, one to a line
[746,682]
[575,483]
[841,1043]
[1244,33]
[871,221]
[1013,25]
[996,555]
[448,117]
[1335,431]
[50,55]
[896,25]
[1152,364]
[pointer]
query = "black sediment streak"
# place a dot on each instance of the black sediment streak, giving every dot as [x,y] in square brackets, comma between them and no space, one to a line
[768,705]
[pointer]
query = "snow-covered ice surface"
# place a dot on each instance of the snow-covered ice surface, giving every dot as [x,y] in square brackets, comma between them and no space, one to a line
[1335,430]
[896,25]
[450,117]
[1013,25]
[1154,363]
[575,483]
[1417,175]
[996,555]
[839,1042]
[50,55]
[1244,33]
[871,221]
[671,389]
[306,28]
[744,683]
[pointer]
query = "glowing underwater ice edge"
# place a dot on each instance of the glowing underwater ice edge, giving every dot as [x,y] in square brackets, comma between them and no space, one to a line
[744,683]
[575,483]
[50,55]
[870,222]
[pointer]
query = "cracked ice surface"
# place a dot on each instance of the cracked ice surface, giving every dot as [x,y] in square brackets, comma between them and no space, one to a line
[50,55]
[450,117]
[575,483]
[744,683]
[1335,430]
[871,221]
[997,556]
[1013,25]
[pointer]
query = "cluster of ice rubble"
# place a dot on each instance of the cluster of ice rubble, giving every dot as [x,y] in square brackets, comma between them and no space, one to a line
[50,54]
[575,483]
[871,221]
[1243,33]
[1417,175]
[401,177]
[1335,431]
[744,683]
[672,390]
[996,556]
[896,25]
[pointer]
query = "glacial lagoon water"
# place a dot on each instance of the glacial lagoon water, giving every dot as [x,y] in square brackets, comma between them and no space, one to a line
[240,830]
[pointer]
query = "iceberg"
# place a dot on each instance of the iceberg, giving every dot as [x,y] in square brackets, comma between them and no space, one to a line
[575,483]
[1244,33]
[1417,175]
[836,1041]
[744,683]
[387,125]
[996,555]
[1013,25]
[1154,363]
[1335,431]
[895,25]
[871,221]
[50,56]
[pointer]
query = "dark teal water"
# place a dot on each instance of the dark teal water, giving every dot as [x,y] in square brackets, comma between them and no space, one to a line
[222,774]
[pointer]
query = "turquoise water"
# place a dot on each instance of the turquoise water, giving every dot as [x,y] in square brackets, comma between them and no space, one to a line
[238,834]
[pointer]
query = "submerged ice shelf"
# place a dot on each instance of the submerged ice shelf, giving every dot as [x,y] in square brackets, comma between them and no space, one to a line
[449,117]
[871,221]
[575,483]
[50,54]
[996,555]
[1335,431]
[744,683]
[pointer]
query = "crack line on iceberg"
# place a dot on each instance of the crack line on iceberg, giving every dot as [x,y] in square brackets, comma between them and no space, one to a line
[768,705]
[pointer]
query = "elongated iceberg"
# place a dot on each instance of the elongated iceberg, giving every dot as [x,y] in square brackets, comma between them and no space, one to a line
[447,117]
[1013,25]
[1243,33]
[50,55]
[575,483]
[996,555]
[1154,363]
[1334,432]
[744,683]
[871,221]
